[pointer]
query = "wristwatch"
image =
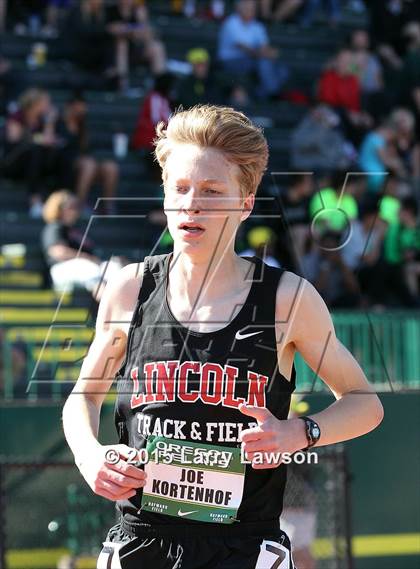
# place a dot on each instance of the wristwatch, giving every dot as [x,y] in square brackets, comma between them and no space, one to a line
[313,432]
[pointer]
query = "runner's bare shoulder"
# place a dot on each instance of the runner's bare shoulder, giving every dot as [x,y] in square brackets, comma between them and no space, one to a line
[119,299]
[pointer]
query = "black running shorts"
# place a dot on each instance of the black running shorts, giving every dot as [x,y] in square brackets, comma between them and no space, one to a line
[123,550]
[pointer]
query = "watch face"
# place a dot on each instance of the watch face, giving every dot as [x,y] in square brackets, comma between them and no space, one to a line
[315,432]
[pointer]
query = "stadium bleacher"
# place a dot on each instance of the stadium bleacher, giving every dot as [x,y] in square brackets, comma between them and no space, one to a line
[27,301]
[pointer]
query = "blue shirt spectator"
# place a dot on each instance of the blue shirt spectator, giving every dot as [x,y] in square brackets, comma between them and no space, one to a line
[236,31]
[244,50]
[370,160]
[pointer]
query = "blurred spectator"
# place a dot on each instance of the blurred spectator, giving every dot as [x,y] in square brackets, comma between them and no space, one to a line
[83,169]
[238,96]
[156,107]
[68,252]
[176,6]
[201,86]
[211,9]
[324,266]
[334,206]
[392,280]
[363,252]
[262,242]
[244,49]
[410,74]
[37,17]
[15,359]
[5,81]
[368,69]
[32,152]
[339,87]
[189,8]
[26,15]
[407,146]
[312,6]
[317,143]
[402,256]
[295,205]
[20,361]
[107,40]
[135,39]
[387,19]
[378,154]
[56,13]
[90,42]
[279,10]
[363,249]
[218,8]
[389,204]
[366,63]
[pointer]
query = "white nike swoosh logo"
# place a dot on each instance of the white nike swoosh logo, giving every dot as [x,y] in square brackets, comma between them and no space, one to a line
[239,336]
[186,513]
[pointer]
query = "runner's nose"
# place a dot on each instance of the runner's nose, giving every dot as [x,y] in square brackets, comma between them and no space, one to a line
[191,202]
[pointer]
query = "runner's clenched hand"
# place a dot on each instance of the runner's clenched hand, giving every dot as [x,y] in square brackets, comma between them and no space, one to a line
[264,444]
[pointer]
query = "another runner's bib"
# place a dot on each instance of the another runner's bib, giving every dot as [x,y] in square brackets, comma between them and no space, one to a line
[194,481]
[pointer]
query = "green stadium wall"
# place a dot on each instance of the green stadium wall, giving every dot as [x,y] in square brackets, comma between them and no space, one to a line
[385,471]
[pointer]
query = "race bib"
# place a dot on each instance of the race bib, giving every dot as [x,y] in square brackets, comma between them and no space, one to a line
[193,481]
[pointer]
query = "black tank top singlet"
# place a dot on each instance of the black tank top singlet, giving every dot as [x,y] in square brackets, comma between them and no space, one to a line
[178,392]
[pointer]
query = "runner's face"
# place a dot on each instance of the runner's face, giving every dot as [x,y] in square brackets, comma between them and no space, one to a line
[202,189]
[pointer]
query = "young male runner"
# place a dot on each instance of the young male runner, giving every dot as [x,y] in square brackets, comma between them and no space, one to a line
[202,342]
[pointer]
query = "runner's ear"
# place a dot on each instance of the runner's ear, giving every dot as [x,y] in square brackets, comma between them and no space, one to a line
[247,206]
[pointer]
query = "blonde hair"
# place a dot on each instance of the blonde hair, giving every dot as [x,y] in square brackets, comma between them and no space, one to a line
[402,114]
[30,97]
[221,128]
[52,208]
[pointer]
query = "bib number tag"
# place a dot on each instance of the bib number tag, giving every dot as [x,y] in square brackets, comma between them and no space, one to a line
[273,555]
[193,481]
[109,558]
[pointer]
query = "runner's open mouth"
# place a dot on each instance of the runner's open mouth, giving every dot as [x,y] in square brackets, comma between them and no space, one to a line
[191,227]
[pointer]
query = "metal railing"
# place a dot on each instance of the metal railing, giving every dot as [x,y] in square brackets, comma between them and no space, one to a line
[386,345]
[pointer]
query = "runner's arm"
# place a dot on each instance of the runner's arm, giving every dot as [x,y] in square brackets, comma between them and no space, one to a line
[308,325]
[81,411]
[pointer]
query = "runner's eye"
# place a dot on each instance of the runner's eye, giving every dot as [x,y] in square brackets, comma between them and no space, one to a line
[211,191]
[182,189]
